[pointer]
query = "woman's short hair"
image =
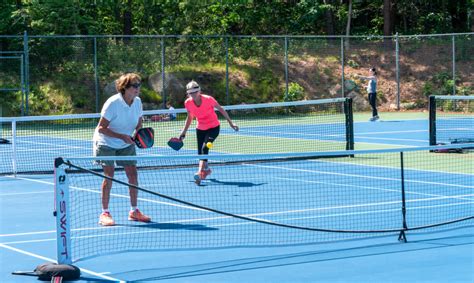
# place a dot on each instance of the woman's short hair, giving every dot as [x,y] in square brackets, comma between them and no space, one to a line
[125,80]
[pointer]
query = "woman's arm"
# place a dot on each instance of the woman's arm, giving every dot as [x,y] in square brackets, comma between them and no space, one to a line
[139,124]
[226,116]
[366,78]
[104,129]
[189,119]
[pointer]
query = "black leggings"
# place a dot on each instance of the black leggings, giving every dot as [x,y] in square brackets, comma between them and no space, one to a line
[373,103]
[205,136]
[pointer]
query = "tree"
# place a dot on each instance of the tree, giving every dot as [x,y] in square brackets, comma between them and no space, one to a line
[349,17]
[388,16]
[329,17]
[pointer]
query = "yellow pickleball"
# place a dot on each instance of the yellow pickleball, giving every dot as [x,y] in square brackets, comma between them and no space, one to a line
[209,145]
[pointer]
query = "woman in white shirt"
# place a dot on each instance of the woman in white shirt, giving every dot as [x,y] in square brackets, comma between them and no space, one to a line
[121,116]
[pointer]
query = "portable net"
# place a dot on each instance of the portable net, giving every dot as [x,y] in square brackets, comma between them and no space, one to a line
[265,199]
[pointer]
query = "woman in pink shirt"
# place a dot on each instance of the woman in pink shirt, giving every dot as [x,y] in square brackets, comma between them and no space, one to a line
[202,107]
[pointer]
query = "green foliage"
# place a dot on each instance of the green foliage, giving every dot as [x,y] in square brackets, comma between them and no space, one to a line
[150,96]
[352,63]
[440,84]
[47,100]
[64,67]
[465,90]
[11,103]
[295,92]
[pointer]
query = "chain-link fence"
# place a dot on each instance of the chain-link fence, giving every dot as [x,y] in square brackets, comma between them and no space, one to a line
[75,74]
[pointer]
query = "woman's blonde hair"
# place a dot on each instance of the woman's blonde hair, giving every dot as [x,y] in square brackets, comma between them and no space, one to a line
[192,87]
[125,80]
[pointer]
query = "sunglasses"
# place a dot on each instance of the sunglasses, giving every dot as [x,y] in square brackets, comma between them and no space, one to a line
[136,85]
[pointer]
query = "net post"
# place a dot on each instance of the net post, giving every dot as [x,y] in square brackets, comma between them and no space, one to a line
[14,151]
[63,228]
[432,119]
[349,124]
[402,237]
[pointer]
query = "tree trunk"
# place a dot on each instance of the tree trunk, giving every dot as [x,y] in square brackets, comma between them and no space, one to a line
[127,18]
[458,11]
[349,17]
[387,18]
[348,26]
[472,20]
[329,18]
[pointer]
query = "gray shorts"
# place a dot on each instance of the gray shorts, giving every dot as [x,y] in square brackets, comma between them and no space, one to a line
[103,150]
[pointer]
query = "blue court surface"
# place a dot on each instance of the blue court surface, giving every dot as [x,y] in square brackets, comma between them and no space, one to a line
[28,228]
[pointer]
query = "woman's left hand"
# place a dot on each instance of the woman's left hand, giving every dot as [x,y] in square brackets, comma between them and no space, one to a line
[234,126]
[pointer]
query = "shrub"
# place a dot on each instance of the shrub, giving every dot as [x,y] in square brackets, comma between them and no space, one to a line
[295,92]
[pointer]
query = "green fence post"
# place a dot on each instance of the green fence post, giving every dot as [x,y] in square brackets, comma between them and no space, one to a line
[24,99]
[227,70]
[96,77]
[163,77]
[454,64]
[286,68]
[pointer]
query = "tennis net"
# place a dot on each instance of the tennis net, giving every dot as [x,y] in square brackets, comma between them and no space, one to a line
[451,119]
[264,200]
[313,125]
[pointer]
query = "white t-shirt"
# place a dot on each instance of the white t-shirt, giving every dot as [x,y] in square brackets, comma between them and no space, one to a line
[172,114]
[372,85]
[123,120]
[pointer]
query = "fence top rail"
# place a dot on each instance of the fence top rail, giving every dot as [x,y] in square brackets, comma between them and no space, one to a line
[10,57]
[241,36]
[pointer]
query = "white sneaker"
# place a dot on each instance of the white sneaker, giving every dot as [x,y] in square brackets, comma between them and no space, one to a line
[373,119]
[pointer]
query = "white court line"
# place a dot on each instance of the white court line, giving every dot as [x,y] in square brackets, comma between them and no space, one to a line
[359,176]
[436,197]
[100,275]
[112,194]
[28,233]
[407,169]
[25,193]
[393,132]
[289,133]
[388,139]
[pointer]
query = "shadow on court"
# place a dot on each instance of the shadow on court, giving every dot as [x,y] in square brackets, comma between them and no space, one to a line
[238,184]
[435,245]
[170,226]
